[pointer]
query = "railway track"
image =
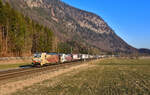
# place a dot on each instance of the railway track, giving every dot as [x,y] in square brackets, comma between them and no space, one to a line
[10,74]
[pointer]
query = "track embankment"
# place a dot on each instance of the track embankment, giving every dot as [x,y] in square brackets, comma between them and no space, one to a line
[37,75]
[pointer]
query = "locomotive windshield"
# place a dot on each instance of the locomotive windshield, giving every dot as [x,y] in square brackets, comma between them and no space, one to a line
[37,55]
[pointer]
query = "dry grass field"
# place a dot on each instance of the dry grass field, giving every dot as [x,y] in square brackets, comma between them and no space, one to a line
[108,77]
[13,66]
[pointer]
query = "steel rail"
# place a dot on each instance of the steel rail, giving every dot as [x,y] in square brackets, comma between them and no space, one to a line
[22,72]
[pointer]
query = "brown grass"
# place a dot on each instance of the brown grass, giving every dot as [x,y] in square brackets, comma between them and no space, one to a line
[108,77]
[19,85]
[7,62]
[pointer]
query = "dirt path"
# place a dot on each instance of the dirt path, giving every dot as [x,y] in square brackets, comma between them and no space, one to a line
[18,85]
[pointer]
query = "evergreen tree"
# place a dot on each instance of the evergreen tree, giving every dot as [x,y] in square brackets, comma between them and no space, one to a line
[20,35]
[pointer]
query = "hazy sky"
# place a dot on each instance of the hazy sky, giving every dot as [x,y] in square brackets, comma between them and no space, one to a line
[129,18]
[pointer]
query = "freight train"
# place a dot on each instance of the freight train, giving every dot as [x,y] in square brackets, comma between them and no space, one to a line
[42,59]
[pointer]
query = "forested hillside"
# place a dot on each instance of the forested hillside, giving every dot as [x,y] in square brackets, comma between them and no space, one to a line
[21,36]
[77,30]
[53,26]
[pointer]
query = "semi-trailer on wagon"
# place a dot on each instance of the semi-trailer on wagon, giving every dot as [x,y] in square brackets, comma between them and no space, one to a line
[53,58]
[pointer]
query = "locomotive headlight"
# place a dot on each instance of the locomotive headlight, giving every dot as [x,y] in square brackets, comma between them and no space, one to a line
[41,60]
[37,60]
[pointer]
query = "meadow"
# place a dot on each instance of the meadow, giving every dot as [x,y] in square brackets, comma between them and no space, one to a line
[107,77]
[13,66]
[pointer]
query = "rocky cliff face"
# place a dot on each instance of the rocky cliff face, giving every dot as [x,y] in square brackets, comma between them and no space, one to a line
[72,24]
[60,10]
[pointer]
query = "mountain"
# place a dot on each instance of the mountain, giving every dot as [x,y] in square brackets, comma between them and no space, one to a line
[144,51]
[78,28]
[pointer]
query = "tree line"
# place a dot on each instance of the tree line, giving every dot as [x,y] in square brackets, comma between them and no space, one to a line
[20,36]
